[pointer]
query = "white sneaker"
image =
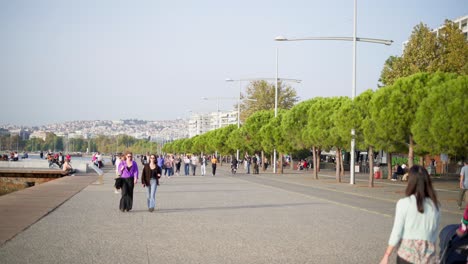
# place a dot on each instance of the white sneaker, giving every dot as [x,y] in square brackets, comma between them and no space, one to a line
[115,191]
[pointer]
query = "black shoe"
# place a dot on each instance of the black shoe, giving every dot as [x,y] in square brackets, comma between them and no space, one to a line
[151,210]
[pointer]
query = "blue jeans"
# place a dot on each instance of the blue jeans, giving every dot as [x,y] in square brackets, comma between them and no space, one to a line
[151,193]
[186,167]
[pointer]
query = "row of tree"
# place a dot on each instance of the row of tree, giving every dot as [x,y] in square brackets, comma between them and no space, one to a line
[420,114]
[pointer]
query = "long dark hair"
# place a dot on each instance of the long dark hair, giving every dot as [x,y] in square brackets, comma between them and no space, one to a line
[420,184]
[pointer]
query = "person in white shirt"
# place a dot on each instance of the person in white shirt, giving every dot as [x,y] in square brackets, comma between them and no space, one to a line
[194,162]
[416,222]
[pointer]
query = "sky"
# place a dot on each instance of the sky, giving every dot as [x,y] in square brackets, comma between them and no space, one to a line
[67,60]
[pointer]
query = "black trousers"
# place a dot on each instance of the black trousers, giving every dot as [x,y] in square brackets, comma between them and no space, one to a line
[213,166]
[126,201]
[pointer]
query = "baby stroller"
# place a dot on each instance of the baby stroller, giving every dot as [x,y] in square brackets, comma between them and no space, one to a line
[453,249]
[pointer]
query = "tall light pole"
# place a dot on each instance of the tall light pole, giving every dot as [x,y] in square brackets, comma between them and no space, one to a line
[354,39]
[276,79]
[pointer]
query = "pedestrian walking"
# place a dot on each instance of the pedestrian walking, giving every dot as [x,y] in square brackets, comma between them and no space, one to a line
[416,222]
[203,165]
[178,162]
[463,184]
[214,161]
[129,174]
[194,163]
[119,159]
[186,164]
[150,180]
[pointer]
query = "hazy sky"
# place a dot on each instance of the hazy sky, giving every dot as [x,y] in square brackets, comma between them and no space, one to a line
[69,60]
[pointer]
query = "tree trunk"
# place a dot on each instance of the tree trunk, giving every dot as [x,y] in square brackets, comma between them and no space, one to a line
[411,152]
[261,163]
[319,151]
[337,165]
[281,163]
[389,165]
[314,155]
[342,173]
[371,166]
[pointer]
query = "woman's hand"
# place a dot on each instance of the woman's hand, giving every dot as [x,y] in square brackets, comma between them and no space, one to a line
[384,259]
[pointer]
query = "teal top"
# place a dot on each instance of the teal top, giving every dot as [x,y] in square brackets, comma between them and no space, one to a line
[411,224]
[464,174]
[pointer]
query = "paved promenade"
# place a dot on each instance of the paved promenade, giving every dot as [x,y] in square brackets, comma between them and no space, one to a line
[266,218]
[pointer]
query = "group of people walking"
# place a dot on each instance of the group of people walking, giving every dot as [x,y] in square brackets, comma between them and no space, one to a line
[127,175]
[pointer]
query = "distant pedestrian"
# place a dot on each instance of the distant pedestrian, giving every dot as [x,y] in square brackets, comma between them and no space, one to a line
[203,165]
[248,161]
[463,184]
[150,180]
[186,165]
[255,163]
[129,173]
[214,161]
[168,166]
[160,162]
[416,222]
[178,162]
[120,158]
[194,163]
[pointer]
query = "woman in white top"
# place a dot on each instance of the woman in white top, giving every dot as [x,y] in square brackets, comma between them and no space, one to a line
[417,220]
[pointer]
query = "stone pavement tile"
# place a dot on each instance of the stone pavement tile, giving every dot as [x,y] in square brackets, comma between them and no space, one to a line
[20,209]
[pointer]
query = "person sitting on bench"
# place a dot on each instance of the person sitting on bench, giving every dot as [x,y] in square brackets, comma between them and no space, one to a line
[68,168]
[399,171]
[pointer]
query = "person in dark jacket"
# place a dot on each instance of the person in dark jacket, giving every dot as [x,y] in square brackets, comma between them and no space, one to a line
[150,180]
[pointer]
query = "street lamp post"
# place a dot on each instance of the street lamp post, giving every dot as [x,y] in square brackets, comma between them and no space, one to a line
[354,39]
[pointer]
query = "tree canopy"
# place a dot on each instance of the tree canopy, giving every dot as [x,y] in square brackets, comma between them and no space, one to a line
[428,51]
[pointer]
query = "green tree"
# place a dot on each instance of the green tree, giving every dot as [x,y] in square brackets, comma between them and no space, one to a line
[452,50]
[273,137]
[426,51]
[320,125]
[253,125]
[393,109]
[361,104]
[440,125]
[345,117]
[264,94]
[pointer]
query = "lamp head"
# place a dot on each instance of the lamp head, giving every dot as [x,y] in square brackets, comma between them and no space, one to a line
[280,38]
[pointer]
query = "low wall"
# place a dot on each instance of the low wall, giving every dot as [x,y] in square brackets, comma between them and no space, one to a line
[79,166]
[14,179]
[12,184]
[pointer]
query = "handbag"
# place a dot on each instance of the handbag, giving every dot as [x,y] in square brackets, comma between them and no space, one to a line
[118,183]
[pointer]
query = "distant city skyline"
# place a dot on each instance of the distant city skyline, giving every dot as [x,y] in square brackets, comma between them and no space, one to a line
[154,60]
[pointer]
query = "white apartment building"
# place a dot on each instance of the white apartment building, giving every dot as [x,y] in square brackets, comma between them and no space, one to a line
[202,123]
